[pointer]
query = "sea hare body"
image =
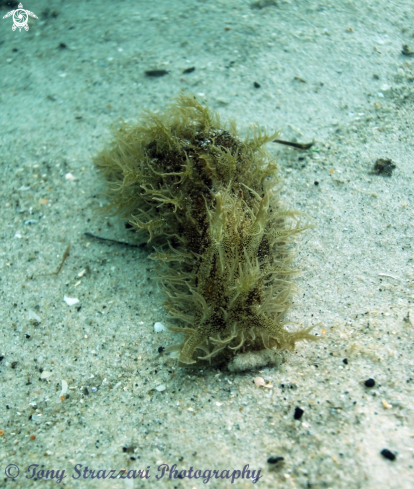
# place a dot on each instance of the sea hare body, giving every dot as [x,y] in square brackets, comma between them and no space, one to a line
[222,239]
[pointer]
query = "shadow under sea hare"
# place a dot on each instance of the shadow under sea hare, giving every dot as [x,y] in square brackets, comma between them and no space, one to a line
[207,201]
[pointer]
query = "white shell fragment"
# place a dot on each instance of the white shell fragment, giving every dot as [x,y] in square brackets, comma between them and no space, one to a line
[159,327]
[69,176]
[64,388]
[46,374]
[70,301]
[161,388]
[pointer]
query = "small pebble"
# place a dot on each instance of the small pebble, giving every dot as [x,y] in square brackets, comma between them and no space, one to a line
[407,51]
[369,383]
[345,360]
[69,176]
[275,460]
[129,449]
[156,73]
[384,166]
[387,454]
[298,413]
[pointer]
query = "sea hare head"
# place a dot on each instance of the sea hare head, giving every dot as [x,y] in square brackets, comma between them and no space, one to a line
[205,199]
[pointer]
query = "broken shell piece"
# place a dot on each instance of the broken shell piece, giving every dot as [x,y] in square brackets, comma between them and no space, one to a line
[259,381]
[70,301]
[69,176]
[34,318]
[386,404]
[46,374]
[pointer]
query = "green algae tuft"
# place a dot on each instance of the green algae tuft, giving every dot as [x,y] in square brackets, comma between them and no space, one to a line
[207,202]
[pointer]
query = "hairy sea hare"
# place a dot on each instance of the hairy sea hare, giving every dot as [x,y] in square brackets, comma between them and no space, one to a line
[206,200]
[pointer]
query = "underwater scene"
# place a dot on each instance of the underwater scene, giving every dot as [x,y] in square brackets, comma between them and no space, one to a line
[206,229]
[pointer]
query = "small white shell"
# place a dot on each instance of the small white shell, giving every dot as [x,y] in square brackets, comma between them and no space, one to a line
[70,301]
[159,327]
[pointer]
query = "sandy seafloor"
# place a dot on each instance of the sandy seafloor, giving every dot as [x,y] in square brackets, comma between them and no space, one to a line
[329,71]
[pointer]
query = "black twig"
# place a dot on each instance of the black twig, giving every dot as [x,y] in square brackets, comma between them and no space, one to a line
[295,145]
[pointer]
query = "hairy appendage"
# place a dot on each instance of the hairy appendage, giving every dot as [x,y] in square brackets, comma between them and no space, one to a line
[222,240]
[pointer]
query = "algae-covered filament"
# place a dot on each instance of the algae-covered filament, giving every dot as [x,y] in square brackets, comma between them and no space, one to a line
[223,241]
